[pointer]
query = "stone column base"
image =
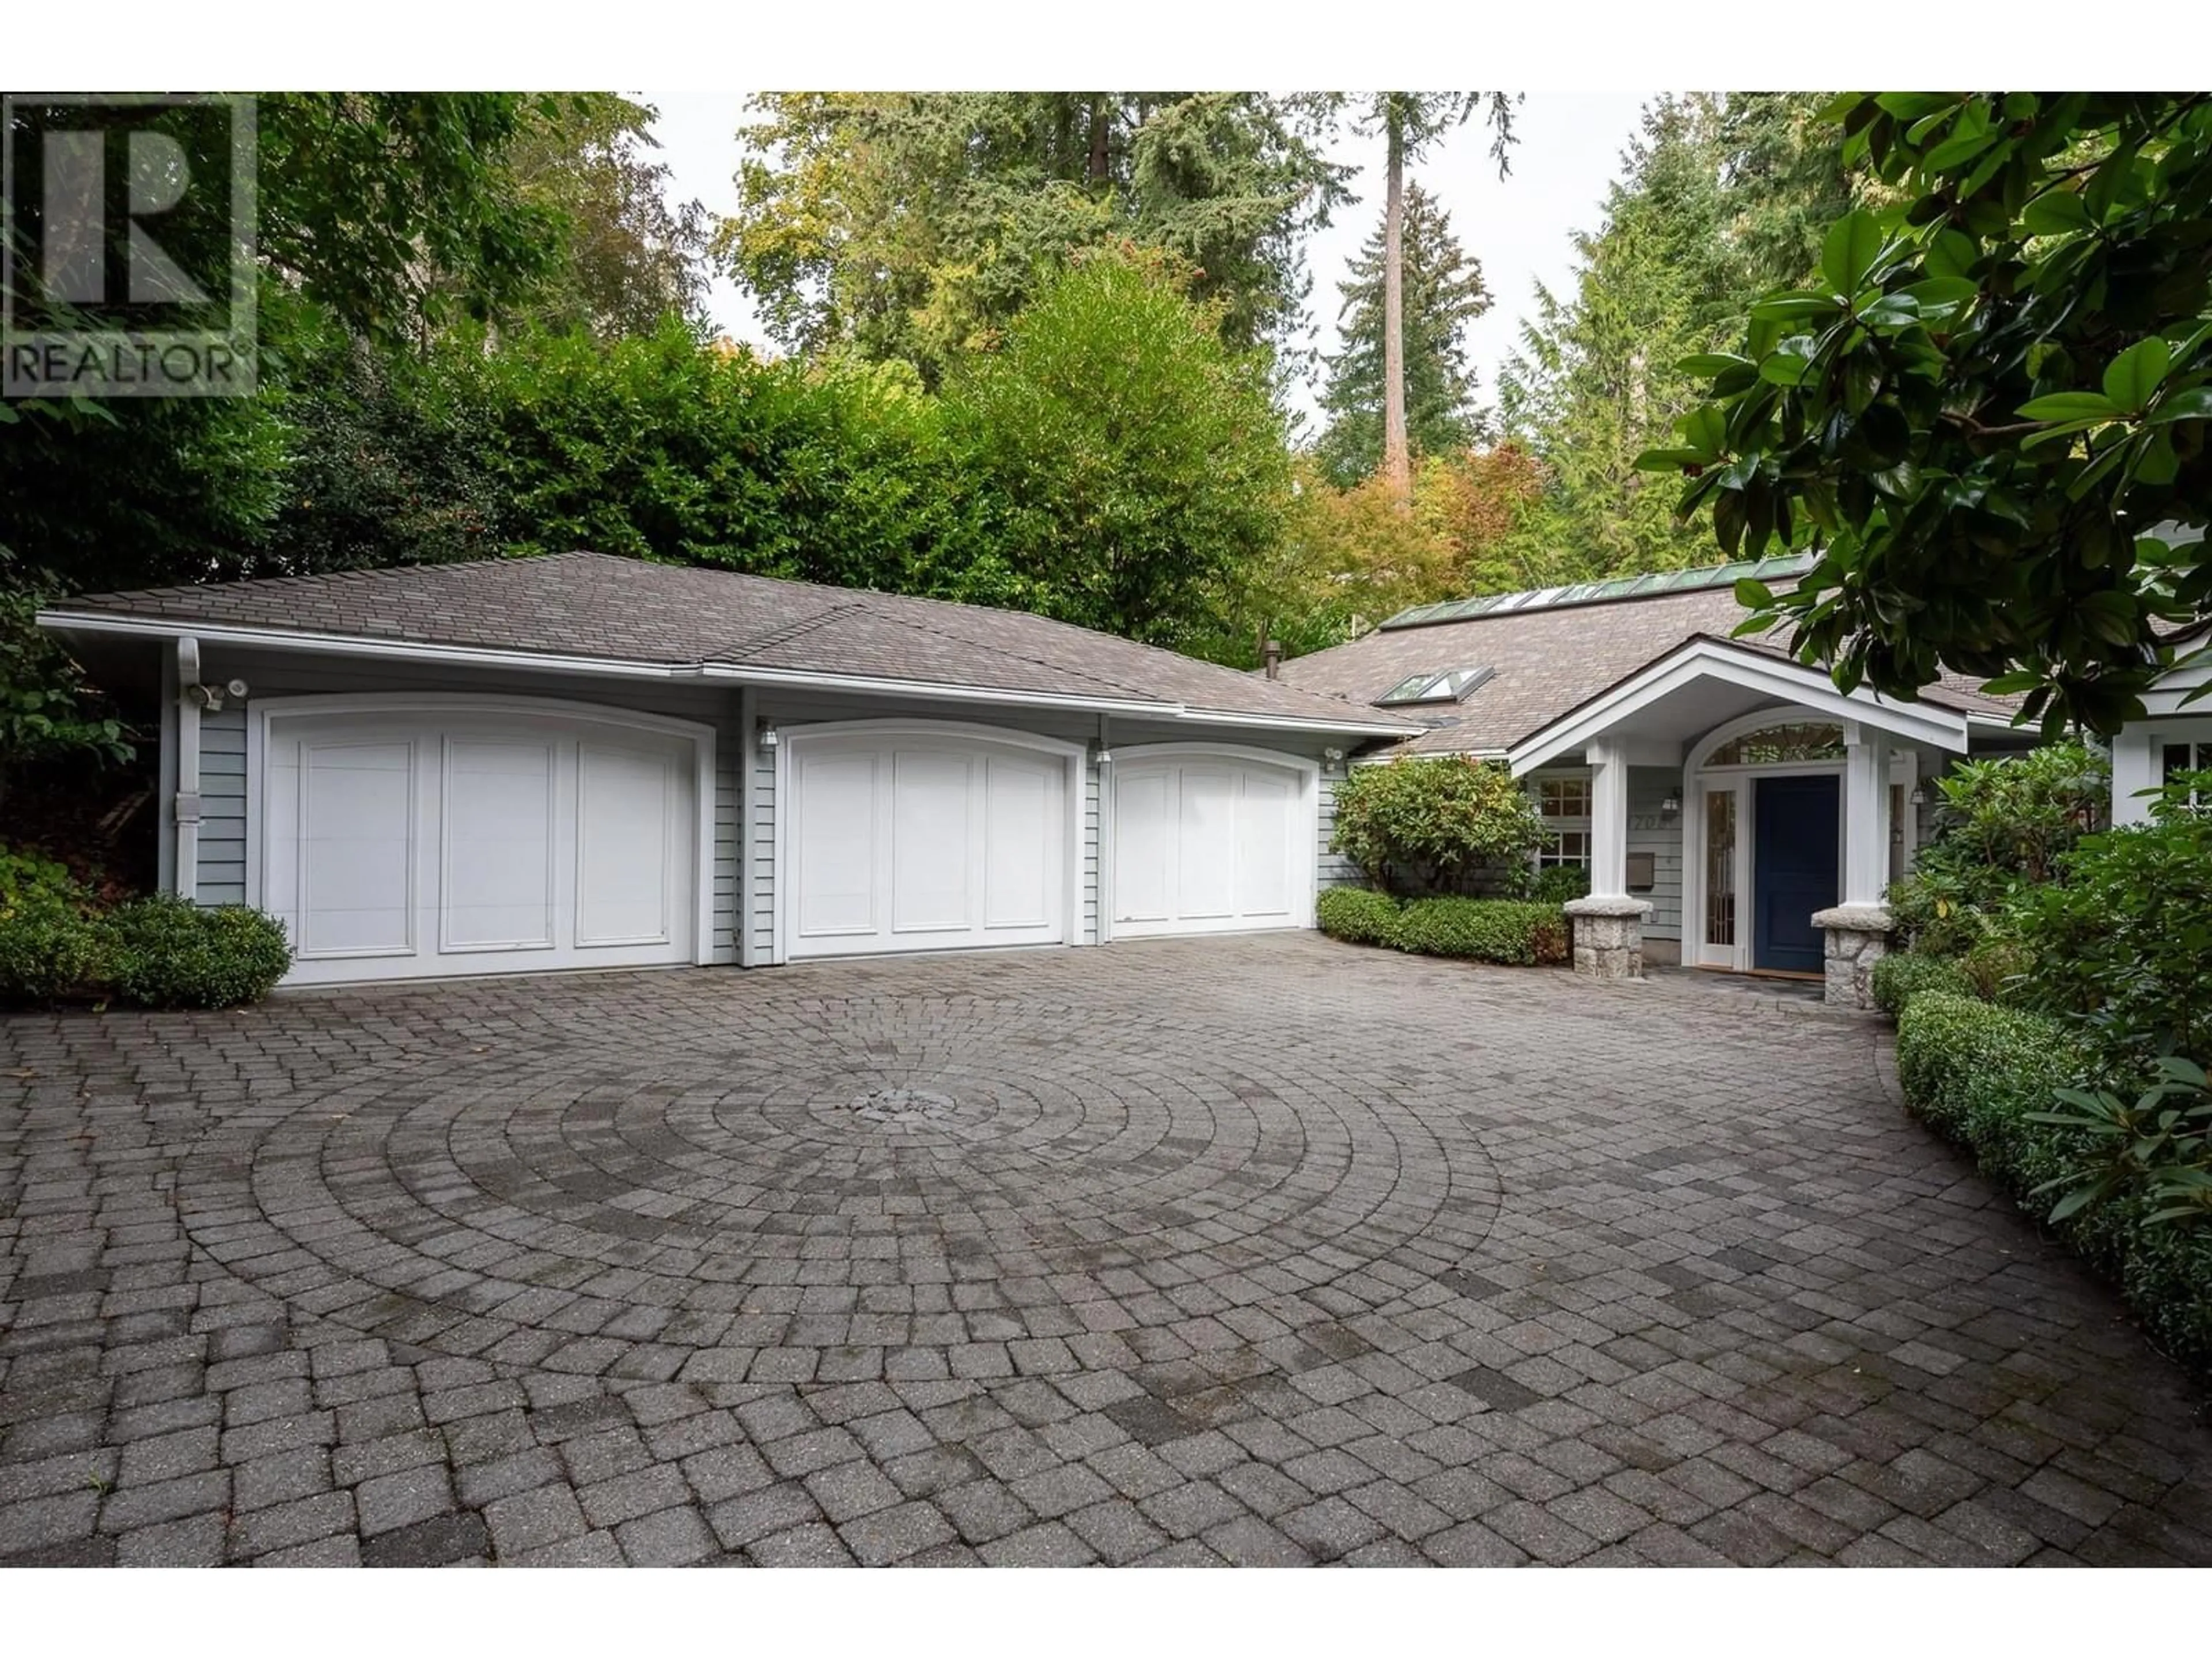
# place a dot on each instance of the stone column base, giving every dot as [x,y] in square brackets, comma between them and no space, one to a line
[1858,938]
[1608,936]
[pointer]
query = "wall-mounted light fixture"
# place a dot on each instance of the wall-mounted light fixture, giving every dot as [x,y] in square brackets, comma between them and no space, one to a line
[1105,757]
[210,697]
[1670,808]
[1919,796]
[768,735]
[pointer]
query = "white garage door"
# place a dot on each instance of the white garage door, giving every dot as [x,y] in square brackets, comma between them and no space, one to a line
[1205,844]
[398,845]
[921,841]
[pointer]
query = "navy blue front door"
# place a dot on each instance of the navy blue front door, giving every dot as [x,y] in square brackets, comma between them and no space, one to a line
[1793,869]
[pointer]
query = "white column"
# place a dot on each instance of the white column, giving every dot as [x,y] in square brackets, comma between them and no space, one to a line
[1608,763]
[2135,768]
[1866,815]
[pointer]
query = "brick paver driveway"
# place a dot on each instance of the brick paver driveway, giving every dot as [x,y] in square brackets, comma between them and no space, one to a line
[1248,1250]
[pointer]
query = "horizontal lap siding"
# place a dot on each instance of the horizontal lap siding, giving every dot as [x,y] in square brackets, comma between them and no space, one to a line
[222,742]
[221,874]
[1334,869]
[1650,831]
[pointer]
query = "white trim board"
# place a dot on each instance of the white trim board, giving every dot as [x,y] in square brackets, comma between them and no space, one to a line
[1915,724]
[701,673]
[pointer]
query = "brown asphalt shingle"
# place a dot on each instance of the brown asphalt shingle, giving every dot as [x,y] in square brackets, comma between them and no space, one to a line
[1548,662]
[595,605]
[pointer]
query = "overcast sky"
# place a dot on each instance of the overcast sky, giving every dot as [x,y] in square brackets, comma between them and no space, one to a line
[1569,149]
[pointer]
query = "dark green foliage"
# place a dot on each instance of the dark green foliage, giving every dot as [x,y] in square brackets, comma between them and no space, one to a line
[1357,915]
[1989,1077]
[1510,931]
[1991,389]
[1557,884]
[1711,207]
[2123,942]
[2002,826]
[1444,293]
[156,951]
[169,953]
[916,226]
[1903,974]
[1416,825]
[50,946]
[1137,464]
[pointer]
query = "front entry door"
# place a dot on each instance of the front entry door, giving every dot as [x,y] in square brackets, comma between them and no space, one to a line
[1794,869]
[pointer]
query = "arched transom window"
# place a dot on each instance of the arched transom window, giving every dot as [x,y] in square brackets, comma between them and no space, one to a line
[1780,744]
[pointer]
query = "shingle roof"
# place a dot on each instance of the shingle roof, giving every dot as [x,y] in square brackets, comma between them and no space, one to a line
[597,606]
[1547,661]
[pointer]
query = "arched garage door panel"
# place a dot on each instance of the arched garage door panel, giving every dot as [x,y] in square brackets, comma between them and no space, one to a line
[402,842]
[920,840]
[1211,844]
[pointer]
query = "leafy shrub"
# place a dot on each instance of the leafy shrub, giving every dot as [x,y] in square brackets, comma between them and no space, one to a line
[23,872]
[1359,916]
[170,953]
[1415,825]
[1989,1077]
[2002,825]
[2122,941]
[1998,968]
[1560,884]
[1903,974]
[1511,931]
[48,945]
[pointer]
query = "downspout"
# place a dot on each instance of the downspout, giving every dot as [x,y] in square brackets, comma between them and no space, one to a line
[1104,767]
[165,788]
[185,808]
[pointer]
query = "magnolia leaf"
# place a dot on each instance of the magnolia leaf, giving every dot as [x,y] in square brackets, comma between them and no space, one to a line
[1855,242]
[2195,404]
[2132,378]
[2071,406]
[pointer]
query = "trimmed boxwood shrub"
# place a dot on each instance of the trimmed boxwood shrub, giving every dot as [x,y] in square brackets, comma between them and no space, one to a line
[1903,974]
[1359,916]
[1982,1074]
[160,951]
[168,953]
[49,946]
[1512,930]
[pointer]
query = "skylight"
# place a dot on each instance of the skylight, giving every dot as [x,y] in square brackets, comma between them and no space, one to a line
[1450,685]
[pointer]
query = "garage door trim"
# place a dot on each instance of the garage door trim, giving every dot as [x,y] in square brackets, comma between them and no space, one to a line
[263,712]
[1074,756]
[1306,772]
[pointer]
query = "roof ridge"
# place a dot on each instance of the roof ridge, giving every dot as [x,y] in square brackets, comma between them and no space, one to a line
[1601,590]
[784,633]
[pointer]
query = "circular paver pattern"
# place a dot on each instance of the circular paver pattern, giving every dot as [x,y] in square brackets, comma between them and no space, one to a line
[567,1197]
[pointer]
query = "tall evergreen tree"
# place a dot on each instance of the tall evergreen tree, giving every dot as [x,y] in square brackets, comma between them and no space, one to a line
[914,225]
[1409,122]
[1442,292]
[1720,196]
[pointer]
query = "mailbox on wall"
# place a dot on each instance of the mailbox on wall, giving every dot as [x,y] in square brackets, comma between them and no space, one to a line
[1642,873]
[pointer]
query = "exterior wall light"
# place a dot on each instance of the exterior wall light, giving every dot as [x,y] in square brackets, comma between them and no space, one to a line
[768,737]
[1671,807]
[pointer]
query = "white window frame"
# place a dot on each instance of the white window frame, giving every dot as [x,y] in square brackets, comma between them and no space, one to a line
[1550,854]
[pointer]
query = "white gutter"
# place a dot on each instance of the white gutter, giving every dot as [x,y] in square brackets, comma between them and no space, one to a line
[276,638]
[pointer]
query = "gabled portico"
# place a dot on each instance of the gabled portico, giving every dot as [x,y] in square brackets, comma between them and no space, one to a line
[1788,789]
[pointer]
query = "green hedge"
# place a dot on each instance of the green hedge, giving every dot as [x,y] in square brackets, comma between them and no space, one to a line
[1979,1072]
[159,951]
[1359,916]
[1903,974]
[1512,930]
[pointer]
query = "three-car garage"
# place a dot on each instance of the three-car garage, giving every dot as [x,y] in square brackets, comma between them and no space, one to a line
[402,837]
